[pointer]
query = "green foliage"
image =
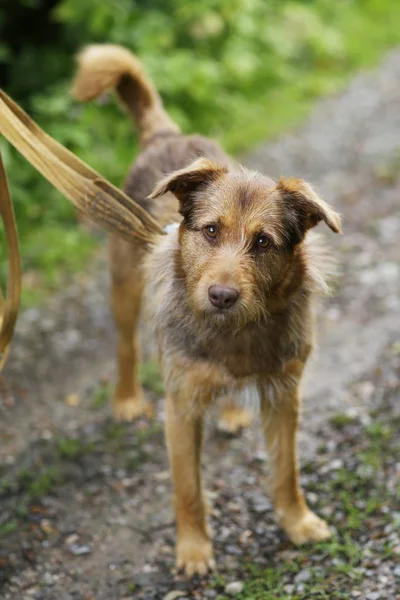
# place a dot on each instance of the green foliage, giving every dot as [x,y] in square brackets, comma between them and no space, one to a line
[101,395]
[237,70]
[150,376]
[39,482]
[73,449]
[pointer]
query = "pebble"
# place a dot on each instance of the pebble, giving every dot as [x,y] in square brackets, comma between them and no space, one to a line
[396,572]
[312,497]
[174,594]
[232,549]
[289,588]
[336,464]
[71,539]
[261,504]
[234,588]
[303,575]
[48,579]
[78,550]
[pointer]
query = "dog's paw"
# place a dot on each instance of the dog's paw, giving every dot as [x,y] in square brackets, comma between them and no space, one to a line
[233,419]
[195,556]
[309,528]
[129,409]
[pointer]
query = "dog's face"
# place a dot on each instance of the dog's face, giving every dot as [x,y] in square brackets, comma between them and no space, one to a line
[241,238]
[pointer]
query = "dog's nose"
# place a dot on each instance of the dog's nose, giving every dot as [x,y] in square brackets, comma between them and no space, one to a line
[222,297]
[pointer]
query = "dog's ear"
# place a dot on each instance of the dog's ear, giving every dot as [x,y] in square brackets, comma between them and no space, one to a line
[185,182]
[305,209]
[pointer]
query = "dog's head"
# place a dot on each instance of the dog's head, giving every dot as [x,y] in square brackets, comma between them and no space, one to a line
[241,238]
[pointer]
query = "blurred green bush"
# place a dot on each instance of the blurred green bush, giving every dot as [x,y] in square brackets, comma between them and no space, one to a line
[238,70]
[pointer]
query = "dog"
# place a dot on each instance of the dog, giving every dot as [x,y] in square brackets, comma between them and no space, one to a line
[230,290]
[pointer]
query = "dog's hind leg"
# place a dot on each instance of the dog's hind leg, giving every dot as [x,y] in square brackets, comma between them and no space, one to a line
[194,551]
[126,292]
[280,423]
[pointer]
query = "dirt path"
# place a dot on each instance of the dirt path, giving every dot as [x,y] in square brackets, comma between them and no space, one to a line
[86,503]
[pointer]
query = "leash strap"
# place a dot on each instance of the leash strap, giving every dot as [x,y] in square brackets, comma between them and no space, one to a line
[93,195]
[10,305]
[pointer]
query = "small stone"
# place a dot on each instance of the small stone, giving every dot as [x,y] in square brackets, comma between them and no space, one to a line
[260,456]
[232,549]
[245,535]
[374,596]
[71,539]
[48,579]
[173,594]
[148,568]
[304,575]
[47,527]
[336,464]
[396,572]
[234,507]
[78,550]
[261,504]
[312,497]
[162,476]
[234,588]
[289,588]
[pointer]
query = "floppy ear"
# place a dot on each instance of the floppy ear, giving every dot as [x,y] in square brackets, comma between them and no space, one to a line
[185,182]
[305,209]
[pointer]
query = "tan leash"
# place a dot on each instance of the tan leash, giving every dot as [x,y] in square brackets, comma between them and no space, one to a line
[93,195]
[10,306]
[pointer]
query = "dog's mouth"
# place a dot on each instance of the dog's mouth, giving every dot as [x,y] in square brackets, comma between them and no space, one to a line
[220,317]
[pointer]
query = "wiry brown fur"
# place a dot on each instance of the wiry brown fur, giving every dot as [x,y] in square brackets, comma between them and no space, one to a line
[259,345]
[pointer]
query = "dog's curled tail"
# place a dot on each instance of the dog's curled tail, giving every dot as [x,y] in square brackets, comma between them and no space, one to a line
[105,66]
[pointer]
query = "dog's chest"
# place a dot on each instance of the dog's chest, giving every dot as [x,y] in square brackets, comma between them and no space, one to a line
[248,355]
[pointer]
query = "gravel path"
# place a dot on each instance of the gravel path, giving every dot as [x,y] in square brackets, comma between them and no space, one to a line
[86,503]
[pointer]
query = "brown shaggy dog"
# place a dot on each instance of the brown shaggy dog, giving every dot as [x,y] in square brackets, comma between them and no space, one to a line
[230,292]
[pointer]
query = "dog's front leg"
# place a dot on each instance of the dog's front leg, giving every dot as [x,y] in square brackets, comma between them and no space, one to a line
[184,439]
[280,421]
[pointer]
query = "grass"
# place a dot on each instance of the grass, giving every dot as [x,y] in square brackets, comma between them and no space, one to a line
[358,492]
[35,484]
[8,527]
[151,377]
[73,449]
[101,396]
[341,420]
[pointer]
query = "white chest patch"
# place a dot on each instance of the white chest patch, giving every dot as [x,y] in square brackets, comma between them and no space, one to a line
[171,227]
[246,397]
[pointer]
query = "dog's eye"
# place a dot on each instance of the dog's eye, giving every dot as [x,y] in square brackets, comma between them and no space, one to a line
[211,231]
[262,241]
